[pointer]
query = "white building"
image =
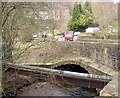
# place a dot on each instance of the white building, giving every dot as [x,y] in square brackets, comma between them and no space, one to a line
[92,30]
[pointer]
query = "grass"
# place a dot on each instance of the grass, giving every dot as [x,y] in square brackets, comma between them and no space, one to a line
[48,52]
[115,25]
[112,36]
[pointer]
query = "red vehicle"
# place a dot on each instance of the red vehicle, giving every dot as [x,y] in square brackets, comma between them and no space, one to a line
[69,36]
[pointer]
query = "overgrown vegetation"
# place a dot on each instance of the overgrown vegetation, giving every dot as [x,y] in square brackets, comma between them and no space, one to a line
[13,82]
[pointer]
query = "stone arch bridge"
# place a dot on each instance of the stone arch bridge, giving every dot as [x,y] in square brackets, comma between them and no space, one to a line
[96,57]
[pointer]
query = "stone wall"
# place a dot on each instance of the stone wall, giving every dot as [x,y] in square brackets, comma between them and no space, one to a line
[103,53]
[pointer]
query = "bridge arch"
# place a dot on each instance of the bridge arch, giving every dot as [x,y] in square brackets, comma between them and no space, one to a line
[70,63]
[82,63]
[72,67]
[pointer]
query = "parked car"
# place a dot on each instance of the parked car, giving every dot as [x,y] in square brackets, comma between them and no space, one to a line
[34,36]
[76,33]
[68,36]
[61,39]
[75,38]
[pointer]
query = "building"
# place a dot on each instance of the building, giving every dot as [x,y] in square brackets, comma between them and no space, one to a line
[92,30]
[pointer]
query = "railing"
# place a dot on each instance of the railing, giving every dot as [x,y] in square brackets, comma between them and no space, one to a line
[80,79]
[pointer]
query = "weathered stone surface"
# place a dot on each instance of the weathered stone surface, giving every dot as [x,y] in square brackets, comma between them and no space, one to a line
[86,63]
[102,53]
[111,89]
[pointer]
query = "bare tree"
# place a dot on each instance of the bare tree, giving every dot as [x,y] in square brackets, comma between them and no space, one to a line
[105,13]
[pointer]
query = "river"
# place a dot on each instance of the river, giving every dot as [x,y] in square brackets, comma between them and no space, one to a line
[52,89]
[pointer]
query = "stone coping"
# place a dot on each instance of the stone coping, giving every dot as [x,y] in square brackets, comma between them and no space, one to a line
[111,89]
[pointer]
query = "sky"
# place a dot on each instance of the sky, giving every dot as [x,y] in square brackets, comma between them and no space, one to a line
[116,1]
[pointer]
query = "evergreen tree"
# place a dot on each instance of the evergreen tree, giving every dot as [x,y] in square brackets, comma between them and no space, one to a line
[88,13]
[77,11]
[81,17]
[87,8]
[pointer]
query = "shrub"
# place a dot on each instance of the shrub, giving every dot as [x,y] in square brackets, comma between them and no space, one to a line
[26,37]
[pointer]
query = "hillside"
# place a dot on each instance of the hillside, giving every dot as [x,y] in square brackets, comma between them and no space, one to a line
[105,14]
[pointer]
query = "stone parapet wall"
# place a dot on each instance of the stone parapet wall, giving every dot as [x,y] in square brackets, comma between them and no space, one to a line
[100,53]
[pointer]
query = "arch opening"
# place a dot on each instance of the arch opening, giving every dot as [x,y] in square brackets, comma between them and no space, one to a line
[72,67]
[79,90]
